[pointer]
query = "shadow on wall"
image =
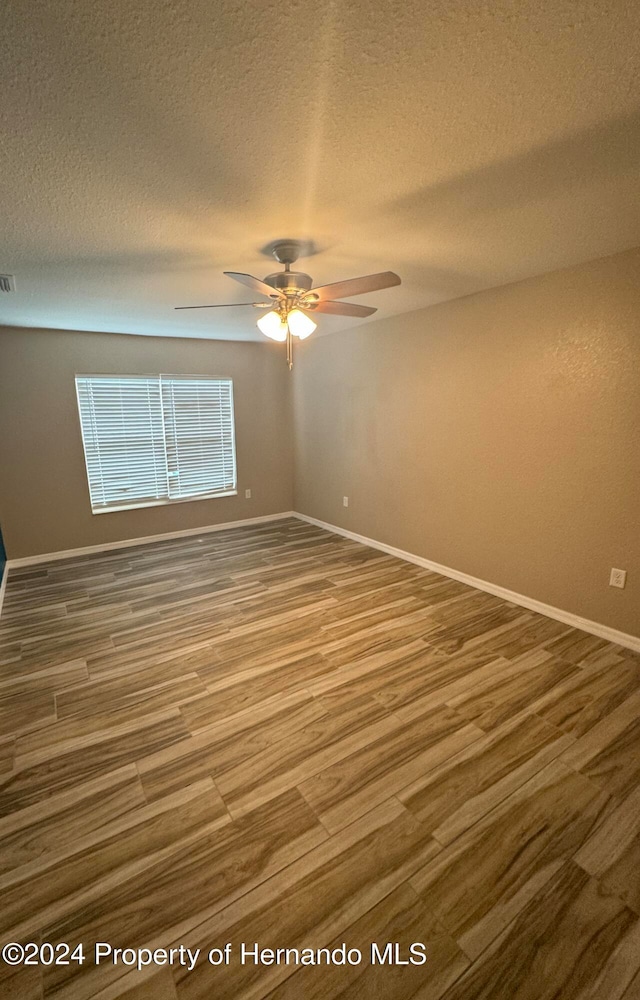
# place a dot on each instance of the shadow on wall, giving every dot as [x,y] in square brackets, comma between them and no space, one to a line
[3,556]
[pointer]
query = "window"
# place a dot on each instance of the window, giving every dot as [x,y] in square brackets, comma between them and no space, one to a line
[153,439]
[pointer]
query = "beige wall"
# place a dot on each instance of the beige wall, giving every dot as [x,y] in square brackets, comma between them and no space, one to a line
[44,499]
[498,434]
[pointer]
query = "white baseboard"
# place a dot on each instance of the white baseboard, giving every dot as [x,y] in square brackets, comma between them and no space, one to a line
[87,550]
[595,628]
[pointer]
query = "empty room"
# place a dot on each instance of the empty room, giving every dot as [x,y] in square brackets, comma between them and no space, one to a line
[320,500]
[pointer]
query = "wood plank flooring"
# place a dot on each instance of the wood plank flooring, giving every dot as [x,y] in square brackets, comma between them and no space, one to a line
[273,734]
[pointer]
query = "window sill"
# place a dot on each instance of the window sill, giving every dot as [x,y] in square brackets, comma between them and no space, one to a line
[162,503]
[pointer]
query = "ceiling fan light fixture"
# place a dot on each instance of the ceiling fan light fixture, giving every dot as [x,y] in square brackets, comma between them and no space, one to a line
[272,326]
[290,294]
[300,324]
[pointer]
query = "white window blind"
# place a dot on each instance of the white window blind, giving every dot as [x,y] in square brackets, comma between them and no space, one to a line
[198,427]
[156,439]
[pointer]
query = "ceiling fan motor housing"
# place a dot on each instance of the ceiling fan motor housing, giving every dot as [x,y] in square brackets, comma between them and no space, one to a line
[291,283]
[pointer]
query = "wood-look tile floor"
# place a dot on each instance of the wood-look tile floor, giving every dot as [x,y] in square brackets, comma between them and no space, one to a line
[272,734]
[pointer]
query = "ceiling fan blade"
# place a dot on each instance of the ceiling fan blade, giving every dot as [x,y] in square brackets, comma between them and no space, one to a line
[254,284]
[228,305]
[355,286]
[341,308]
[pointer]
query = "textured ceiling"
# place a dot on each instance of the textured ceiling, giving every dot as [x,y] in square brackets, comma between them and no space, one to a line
[149,144]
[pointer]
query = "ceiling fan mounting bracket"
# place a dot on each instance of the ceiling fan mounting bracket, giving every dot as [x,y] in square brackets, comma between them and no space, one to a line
[286,251]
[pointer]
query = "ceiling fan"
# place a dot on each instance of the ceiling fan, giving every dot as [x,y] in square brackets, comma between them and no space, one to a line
[291,300]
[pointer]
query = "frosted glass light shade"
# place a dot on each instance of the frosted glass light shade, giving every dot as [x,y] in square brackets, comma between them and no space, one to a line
[300,324]
[272,326]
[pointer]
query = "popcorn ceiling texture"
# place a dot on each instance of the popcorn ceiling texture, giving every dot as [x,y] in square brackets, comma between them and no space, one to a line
[148,145]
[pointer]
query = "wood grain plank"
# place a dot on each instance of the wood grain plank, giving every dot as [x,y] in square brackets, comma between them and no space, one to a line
[569,941]
[479,883]
[402,918]
[204,874]
[313,902]
[38,776]
[352,786]
[453,796]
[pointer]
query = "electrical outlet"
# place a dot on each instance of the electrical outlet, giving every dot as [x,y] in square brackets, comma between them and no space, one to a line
[345,501]
[247,494]
[618,578]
